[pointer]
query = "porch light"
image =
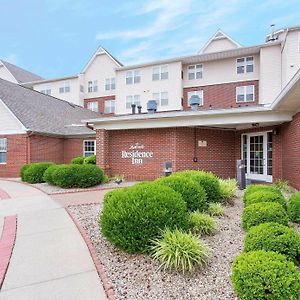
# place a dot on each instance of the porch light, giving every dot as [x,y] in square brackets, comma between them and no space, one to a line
[194,102]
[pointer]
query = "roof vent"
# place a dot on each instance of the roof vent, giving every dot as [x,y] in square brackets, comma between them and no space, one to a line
[272,36]
[151,106]
[194,102]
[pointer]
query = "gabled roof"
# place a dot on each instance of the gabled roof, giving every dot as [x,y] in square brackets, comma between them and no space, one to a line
[20,74]
[218,36]
[44,114]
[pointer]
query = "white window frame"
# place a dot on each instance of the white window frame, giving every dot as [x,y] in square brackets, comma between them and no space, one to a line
[133,77]
[65,87]
[3,149]
[245,93]
[46,90]
[158,74]
[244,64]
[200,93]
[86,151]
[93,106]
[110,84]
[92,86]
[135,99]
[158,96]
[109,106]
[194,70]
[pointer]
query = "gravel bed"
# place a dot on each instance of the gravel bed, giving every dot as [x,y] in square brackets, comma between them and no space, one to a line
[137,277]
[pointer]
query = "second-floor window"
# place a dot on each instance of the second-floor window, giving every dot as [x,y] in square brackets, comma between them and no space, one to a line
[3,150]
[64,87]
[133,77]
[160,73]
[161,98]
[109,106]
[110,84]
[133,99]
[93,86]
[245,65]
[46,90]
[245,93]
[198,93]
[195,72]
[93,106]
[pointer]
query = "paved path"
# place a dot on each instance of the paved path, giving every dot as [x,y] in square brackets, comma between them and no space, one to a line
[50,260]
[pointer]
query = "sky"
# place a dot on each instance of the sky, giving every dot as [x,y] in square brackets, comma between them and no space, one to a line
[55,38]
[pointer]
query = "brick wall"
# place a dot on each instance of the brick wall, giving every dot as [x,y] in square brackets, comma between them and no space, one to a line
[101,101]
[220,95]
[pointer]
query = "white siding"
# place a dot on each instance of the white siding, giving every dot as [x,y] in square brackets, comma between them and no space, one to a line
[6,75]
[219,45]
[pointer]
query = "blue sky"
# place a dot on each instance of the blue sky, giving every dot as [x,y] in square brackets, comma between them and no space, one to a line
[56,38]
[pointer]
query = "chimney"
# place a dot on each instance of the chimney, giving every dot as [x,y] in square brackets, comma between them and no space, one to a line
[133,106]
[139,109]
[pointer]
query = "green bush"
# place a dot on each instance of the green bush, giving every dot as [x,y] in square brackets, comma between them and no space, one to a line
[34,173]
[261,275]
[77,176]
[193,194]
[179,250]
[259,188]
[134,216]
[22,171]
[294,207]
[77,160]
[90,160]
[228,188]
[283,186]
[265,196]
[273,237]
[215,209]
[263,212]
[48,175]
[206,179]
[201,223]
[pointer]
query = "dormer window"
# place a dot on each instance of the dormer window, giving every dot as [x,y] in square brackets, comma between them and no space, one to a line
[245,65]
[195,72]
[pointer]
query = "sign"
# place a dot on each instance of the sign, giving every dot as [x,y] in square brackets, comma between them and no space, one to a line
[202,143]
[137,154]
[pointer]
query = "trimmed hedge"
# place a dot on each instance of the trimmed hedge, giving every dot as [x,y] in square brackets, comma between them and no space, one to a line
[34,173]
[48,175]
[90,160]
[253,188]
[262,275]
[294,207]
[206,179]
[263,212]
[77,160]
[132,217]
[193,194]
[274,237]
[265,196]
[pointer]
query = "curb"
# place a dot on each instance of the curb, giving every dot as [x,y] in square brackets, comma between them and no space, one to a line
[4,195]
[99,266]
[7,243]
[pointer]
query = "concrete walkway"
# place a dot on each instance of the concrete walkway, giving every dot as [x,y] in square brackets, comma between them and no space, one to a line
[50,260]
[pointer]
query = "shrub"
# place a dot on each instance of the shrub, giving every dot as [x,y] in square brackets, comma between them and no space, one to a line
[90,160]
[206,179]
[215,209]
[283,186]
[22,171]
[34,173]
[180,251]
[228,188]
[263,212]
[273,237]
[294,207]
[265,196]
[259,188]
[134,216]
[264,275]
[193,194]
[77,160]
[48,175]
[201,223]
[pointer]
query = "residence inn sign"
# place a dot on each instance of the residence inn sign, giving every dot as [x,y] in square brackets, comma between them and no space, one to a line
[136,154]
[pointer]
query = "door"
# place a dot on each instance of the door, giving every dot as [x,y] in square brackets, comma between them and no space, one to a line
[257,153]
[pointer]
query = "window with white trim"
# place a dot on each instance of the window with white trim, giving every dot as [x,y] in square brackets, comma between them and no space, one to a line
[110,84]
[245,93]
[198,93]
[92,86]
[133,76]
[46,90]
[89,148]
[109,106]
[245,65]
[195,71]
[3,150]
[133,99]
[161,98]
[93,106]
[81,88]
[160,73]
[64,87]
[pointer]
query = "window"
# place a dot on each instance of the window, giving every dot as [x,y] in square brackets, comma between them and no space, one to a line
[161,98]
[135,99]
[109,106]
[3,150]
[133,77]
[195,72]
[110,84]
[198,93]
[46,90]
[160,73]
[64,87]
[89,148]
[245,65]
[93,86]
[81,88]
[245,93]
[93,106]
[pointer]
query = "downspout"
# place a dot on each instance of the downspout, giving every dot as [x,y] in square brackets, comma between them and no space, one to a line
[87,125]
[281,67]
[28,148]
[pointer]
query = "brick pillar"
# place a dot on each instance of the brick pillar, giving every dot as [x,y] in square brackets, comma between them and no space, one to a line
[277,156]
[102,150]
